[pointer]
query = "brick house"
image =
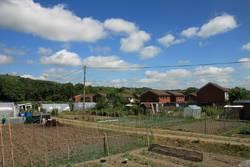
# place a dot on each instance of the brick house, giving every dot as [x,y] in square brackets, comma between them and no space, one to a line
[155,96]
[176,97]
[212,94]
[153,99]
[90,97]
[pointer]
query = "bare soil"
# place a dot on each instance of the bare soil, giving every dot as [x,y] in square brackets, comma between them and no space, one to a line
[143,158]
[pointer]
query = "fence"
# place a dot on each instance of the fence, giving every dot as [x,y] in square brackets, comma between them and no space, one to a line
[37,145]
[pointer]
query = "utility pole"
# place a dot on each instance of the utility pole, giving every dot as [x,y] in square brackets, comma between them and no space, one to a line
[84,80]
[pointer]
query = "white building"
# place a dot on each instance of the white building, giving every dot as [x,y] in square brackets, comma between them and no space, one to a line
[8,110]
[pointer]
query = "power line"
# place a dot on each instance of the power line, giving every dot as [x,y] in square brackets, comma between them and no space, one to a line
[167,66]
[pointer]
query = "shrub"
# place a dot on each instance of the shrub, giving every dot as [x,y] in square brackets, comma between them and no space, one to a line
[54,112]
[245,130]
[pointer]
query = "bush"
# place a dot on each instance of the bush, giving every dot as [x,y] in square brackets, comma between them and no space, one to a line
[212,111]
[245,130]
[54,112]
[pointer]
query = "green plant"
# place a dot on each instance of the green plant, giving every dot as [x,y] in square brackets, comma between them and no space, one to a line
[245,130]
[54,112]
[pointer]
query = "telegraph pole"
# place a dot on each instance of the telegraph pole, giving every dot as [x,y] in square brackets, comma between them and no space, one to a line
[84,83]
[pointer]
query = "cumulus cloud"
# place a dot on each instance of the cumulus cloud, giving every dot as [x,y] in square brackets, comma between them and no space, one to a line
[215,26]
[134,42]
[218,25]
[53,23]
[62,57]
[4,59]
[211,70]
[245,62]
[190,32]
[246,46]
[108,62]
[169,40]
[181,78]
[120,25]
[149,52]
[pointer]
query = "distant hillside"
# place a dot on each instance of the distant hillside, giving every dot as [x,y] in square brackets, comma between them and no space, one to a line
[15,88]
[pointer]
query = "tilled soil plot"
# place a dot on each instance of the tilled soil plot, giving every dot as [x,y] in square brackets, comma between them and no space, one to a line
[36,145]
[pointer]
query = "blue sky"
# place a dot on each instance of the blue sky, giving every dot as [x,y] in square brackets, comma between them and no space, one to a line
[52,39]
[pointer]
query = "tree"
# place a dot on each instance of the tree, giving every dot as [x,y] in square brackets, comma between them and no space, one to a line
[238,93]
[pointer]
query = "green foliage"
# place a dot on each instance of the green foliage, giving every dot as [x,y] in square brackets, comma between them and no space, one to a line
[54,112]
[101,103]
[190,90]
[212,111]
[245,130]
[238,93]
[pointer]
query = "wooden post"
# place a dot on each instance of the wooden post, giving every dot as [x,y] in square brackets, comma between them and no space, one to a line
[2,145]
[105,145]
[84,85]
[11,145]
[45,148]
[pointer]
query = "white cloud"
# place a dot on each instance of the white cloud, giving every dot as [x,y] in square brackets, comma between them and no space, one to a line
[53,23]
[107,62]
[149,52]
[62,57]
[42,77]
[217,25]
[120,25]
[211,70]
[246,46]
[169,40]
[134,42]
[44,51]
[189,32]
[245,62]
[4,59]
[182,78]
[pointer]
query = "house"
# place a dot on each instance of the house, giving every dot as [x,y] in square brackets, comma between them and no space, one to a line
[191,97]
[155,96]
[155,99]
[176,97]
[245,112]
[90,97]
[212,94]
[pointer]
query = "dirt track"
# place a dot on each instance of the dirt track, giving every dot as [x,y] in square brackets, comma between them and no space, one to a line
[167,134]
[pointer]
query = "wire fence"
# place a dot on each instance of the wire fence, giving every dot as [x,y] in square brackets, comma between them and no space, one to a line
[38,145]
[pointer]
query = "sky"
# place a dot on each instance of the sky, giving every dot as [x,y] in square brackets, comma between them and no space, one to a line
[52,40]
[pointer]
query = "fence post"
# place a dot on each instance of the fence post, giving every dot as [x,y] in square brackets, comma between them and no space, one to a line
[2,145]
[11,145]
[105,145]
[205,126]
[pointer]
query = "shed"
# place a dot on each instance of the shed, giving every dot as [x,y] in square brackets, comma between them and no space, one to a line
[58,106]
[245,113]
[192,111]
[8,110]
[232,111]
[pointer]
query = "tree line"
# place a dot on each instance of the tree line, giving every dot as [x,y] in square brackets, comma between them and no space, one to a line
[17,89]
